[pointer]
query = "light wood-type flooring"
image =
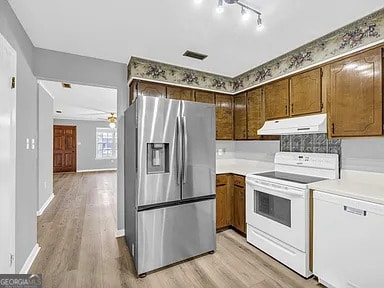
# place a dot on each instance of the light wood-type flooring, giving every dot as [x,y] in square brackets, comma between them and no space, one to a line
[79,249]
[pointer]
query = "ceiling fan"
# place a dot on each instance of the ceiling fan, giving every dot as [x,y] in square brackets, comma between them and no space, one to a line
[112,120]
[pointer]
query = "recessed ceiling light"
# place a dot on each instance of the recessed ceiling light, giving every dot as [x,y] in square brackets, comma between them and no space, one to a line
[66,85]
[59,111]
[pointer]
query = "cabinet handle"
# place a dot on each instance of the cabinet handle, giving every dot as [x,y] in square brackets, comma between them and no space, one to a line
[355,211]
[286,109]
[333,128]
[292,108]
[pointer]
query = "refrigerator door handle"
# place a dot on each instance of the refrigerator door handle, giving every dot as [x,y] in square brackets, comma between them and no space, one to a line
[185,149]
[178,150]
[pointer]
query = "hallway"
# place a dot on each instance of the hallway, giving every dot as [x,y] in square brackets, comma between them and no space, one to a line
[79,249]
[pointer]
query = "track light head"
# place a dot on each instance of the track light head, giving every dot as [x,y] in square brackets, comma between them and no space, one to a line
[244,14]
[260,25]
[220,7]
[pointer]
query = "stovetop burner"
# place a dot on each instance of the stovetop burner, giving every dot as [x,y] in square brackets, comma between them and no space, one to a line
[302,179]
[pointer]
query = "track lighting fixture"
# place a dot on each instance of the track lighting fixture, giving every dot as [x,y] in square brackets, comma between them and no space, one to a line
[245,11]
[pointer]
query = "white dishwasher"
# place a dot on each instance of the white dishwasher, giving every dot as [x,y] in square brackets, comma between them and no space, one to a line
[348,242]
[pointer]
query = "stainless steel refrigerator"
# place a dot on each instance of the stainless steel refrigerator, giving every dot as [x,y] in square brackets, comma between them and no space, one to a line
[170,176]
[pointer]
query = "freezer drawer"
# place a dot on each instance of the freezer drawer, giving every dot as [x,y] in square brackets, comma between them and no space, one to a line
[348,241]
[175,233]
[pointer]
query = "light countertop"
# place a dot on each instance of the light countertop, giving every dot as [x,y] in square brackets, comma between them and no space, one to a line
[366,186]
[242,166]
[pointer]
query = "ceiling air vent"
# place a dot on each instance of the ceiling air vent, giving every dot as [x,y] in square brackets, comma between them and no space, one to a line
[195,55]
[66,85]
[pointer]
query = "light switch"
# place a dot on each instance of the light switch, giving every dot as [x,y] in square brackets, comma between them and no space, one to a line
[33,144]
[27,143]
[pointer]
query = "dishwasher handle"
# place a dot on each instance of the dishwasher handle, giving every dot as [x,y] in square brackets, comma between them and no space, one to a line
[355,211]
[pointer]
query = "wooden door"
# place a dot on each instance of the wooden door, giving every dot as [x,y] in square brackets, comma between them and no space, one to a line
[204,97]
[64,148]
[180,93]
[305,93]
[224,117]
[151,89]
[255,112]
[240,116]
[239,208]
[356,95]
[277,100]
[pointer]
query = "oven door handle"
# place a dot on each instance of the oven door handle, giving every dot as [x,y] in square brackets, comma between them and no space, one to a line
[289,191]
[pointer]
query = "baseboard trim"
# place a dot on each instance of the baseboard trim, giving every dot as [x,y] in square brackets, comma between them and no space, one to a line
[97,170]
[45,205]
[120,233]
[28,263]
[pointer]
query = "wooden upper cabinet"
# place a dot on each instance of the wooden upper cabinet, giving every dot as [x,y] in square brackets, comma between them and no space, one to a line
[277,100]
[151,89]
[180,93]
[255,112]
[224,117]
[240,116]
[305,93]
[204,97]
[356,95]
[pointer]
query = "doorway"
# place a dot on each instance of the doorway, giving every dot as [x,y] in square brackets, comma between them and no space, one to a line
[7,155]
[64,149]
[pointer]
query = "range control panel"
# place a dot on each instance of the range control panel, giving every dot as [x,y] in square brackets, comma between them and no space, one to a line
[315,160]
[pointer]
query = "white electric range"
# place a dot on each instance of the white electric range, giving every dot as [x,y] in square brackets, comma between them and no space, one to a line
[277,206]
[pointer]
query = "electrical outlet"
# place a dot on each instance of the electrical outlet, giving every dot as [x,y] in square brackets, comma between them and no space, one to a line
[27,144]
[33,144]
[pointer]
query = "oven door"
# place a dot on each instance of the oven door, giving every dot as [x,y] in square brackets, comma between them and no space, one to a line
[277,210]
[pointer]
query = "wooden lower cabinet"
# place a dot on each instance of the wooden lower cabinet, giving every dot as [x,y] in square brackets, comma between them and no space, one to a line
[230,202]
[238,220]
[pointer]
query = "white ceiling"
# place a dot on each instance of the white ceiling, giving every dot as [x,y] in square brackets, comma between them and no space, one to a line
[81,102]
[163,30]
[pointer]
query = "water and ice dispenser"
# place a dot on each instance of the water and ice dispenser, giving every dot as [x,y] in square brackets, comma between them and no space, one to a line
[157,158]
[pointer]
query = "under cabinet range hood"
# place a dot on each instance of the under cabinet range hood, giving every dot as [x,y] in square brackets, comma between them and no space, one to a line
[297,125]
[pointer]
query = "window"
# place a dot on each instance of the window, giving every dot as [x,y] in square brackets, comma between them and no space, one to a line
[106,143]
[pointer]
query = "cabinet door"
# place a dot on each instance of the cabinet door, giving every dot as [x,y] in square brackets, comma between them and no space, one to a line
[224,117]
[356,95]
[277,100]
[180,93]
[255,113]
[305,93]
[240,116]
[239,208]
[221,206]
[205,97]
[151,89]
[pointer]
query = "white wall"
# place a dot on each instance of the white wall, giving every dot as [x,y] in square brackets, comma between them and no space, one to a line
[26,127]
[252,150]
[365,154]
[86,148]
[45,145]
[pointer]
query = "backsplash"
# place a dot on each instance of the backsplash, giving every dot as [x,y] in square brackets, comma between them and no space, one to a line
[310,143]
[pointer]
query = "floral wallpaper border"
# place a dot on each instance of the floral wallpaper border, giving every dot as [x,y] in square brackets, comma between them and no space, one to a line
[360,33]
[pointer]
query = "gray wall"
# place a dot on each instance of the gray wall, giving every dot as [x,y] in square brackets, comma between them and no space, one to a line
[86,151]
[252,150]
[57,66]
[26,127]
[362,154]
[45,145]
[365,154]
